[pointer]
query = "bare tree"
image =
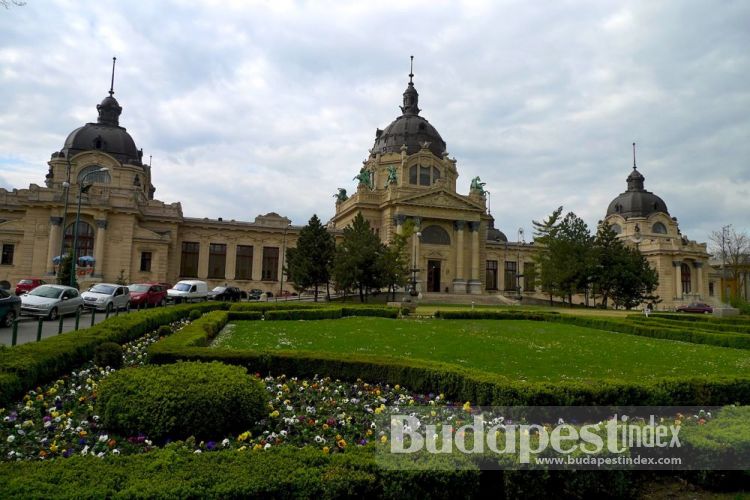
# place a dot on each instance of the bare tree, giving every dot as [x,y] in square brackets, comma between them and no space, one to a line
[11,3]
[732,247]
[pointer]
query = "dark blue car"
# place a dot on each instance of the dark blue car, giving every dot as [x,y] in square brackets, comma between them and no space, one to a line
[10,308]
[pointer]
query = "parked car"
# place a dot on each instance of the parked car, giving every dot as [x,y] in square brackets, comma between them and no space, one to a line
[51,301]
[696,307]
[188,290]
[148,294]
[229,293]
[106,297]
[254,294]
[10,308]
[28,284]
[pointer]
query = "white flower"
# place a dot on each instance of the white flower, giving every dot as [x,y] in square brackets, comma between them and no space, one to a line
[148,442]
[267,446]
[11,438]
[85,450]
[100,454]
[115,451]
[225,443]
[103,438]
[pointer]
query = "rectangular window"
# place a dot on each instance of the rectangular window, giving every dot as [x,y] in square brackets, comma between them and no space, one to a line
[424,176]
[217,260]
[413,174]
[491,275]
[244,263]
[435,175]
[270,271]
[189,261]
[510,275]
[711,288]
[146,261]
[7,255]
[529,276]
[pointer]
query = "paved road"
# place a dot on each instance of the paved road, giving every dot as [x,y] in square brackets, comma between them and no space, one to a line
[28,325]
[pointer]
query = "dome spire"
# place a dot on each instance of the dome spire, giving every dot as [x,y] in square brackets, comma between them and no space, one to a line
[633,156]
[112,82]
[635,179]
[411,97]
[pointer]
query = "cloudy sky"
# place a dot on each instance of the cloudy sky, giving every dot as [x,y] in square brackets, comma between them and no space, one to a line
[252,107]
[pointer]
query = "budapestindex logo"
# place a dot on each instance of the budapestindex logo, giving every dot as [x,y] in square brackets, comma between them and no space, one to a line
[614,436]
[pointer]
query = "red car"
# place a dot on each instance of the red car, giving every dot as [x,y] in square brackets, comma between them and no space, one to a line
[697,307]
[28,284]
[148,294]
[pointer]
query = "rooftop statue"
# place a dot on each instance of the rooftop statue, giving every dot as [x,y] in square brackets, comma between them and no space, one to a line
[341,196]
[364,177]
[478,185]
[392,176]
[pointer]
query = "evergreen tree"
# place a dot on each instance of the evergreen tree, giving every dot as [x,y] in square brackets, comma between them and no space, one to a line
[636,281]
[357,258]
[393,266]
[309,264]
[609,261]
[571,256]
[544,233]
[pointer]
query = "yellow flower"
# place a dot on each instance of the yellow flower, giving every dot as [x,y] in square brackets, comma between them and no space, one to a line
[83,433]
[467,406]
[325,427]
[244,436]
[383,439]
[242,448]
[274,414]
[39,397]
[53,447]
[369,432]
[325,450]
[341,443]
[397,387]
[257,447]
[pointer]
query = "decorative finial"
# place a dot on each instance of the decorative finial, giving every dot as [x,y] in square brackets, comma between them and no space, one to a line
[411,69]
[112,82]
[633,156]
[150,157]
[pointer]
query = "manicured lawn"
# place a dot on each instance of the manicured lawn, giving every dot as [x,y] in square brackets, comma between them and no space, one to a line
[522,350]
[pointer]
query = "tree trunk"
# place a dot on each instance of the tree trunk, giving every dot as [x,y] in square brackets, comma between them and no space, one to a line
[315,299]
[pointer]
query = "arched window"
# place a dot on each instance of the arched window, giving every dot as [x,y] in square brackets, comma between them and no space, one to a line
[685,278]
[659,228]
[85,243]
[99,177]
[435,235]
[616,228]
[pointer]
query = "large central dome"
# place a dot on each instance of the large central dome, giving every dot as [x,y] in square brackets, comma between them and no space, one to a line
[409,129]
[636,201]
[105,135]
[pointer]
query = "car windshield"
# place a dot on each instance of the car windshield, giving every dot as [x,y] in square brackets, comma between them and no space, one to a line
[182,287]
[48,292]
[138,288]
[219,289]
[105,289]
[25,282]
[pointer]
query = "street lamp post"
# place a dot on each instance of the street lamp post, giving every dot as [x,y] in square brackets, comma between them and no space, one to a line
[66,188]
[518,262]
[82,188]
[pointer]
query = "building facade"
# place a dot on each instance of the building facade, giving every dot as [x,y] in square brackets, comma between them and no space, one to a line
[408,180]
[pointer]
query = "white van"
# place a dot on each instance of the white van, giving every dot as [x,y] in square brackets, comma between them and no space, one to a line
[188,290]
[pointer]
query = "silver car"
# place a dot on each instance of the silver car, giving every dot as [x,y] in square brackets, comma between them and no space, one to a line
[107,297]
[51,301]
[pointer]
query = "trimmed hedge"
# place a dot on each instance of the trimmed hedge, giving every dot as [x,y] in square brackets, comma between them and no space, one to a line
[377,312]
[507,314]
[29,365]
[272,306]
[456,382]
[710,326]
[205,400]
[108,354]
[297,314]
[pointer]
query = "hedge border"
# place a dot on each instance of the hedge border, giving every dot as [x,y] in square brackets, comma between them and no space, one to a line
[456,382]
[29,365]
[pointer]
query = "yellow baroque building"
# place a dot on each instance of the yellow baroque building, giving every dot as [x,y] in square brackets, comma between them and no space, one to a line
[124,233]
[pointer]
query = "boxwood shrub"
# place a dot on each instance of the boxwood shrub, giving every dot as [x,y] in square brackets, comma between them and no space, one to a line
[309,314]
[205,400]
[28,365]
[108,354]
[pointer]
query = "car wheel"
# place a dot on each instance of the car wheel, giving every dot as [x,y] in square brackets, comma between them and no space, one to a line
[79,310]
[127,306]
[9,319]
[109,308]
[163,303]
[706,312]
[52,314]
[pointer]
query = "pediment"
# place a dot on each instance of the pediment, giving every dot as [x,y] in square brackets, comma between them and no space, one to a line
[441,198]
[142,233]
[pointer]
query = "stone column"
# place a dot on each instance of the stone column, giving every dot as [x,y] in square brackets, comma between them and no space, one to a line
[417,249]
[55,240]
[101,232]
[677,278]
[475,284]
[203,260]
[699,278]
[459,283]
[231,260]
[257,262]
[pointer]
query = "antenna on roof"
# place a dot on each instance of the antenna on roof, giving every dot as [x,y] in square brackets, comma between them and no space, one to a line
[633,156]
[411,69]
[112,82]
[149,159]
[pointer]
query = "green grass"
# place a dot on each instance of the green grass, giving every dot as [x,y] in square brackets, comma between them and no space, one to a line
[522,350]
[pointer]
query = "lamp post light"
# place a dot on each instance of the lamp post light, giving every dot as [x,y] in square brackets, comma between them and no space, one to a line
[283,260]
[82,188]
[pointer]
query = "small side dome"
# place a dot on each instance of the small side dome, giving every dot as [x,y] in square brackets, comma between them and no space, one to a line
[495,234]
